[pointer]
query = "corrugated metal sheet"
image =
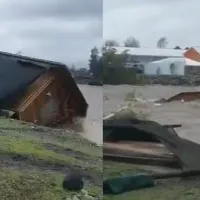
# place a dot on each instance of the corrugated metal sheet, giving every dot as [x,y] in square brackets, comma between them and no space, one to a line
[151,51]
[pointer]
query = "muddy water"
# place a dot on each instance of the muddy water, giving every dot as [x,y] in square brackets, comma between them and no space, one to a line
[93,121]
[187,114]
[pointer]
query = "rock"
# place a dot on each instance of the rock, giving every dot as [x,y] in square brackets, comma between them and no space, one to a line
[73,181]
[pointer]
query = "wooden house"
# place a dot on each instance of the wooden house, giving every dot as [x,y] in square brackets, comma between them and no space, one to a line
[38,91]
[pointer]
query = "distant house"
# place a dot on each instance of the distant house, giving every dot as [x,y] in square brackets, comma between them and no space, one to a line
[173,66]
[139,57]
[38,91]
[193,53]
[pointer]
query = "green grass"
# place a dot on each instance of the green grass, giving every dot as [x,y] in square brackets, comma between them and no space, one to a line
[36,185]
[13,145]
[44,147]
[172,189]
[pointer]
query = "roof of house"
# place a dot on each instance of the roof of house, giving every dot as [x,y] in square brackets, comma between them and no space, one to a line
[14,78]
[36,60]
[183,60]
[151,51]
[191,62]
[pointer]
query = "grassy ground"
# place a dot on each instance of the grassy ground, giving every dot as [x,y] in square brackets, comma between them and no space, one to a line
[35,159]
[171,189]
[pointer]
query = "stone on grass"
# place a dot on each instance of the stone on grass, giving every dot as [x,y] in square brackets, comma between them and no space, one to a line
[73,181]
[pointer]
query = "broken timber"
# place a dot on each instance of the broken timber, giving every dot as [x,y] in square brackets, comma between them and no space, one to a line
[147,142]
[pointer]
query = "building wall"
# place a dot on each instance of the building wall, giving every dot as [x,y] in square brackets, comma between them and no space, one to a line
[143,59]
[44,107]
[165,67]
[46,102]
[192,70]
[192,54]
[139,62]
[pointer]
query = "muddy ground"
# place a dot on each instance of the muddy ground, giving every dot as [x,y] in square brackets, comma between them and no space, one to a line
[34,160]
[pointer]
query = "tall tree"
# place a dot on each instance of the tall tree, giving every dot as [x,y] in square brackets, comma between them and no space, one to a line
[162,43]
[112,60]
[94,62]
[131,42]
[177,47]
[111,43]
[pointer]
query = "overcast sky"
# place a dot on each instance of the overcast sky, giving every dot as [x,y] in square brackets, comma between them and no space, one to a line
[148,20]
[60,30]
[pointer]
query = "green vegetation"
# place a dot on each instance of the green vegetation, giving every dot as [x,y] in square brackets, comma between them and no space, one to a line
[35,159]
[175,189]
[115,72]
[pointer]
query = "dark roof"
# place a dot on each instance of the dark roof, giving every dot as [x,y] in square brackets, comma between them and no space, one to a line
[17,72]
[26,58]
[15,77]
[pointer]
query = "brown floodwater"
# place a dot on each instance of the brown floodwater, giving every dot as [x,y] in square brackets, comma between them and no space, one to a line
[177,112]
[93,122]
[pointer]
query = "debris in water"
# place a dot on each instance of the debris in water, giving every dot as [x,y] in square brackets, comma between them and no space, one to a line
[183,97]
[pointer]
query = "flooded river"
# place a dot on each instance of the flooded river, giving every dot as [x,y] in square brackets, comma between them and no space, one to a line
[177,112]
[93,121]
[187,114]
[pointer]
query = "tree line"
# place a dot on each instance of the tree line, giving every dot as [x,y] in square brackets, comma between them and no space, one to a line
[131,41]
[105,64]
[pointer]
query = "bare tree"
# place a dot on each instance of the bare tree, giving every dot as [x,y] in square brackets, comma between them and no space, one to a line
[162,43]
[131,42]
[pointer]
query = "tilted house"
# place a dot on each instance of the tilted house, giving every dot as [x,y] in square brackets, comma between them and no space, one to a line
[38,91]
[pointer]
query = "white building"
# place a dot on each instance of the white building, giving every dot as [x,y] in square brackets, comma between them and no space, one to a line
[139,57]
[172,66]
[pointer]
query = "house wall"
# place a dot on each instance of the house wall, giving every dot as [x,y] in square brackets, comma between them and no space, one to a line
[192,54]
[163,68]
[46,102]
[192,70]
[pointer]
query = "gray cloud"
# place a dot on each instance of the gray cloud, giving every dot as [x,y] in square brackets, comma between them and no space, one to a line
[67,9]
[148,20]
[62,30]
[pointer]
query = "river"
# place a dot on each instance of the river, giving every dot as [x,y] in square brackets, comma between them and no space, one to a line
[187,114]
[93,122]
